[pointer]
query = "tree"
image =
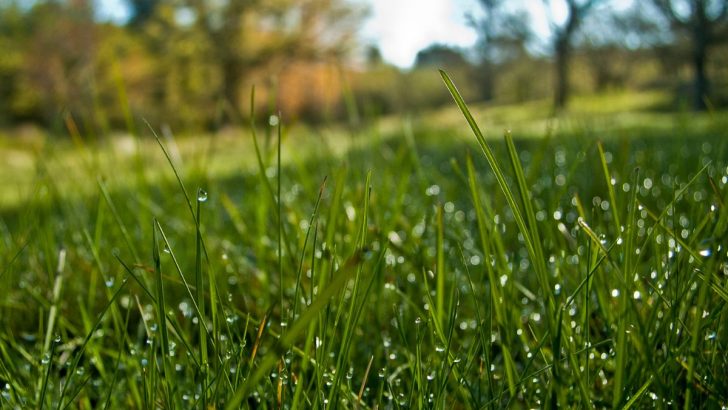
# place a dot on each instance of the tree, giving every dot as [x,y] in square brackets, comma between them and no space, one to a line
[13,40]
[503,37]
[141,11]
[440,55]
[563,42]
[249,35]
[58,72]
[705,22]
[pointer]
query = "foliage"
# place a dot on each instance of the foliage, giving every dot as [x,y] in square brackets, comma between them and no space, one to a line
[181,62]
[705,22]
[185,63]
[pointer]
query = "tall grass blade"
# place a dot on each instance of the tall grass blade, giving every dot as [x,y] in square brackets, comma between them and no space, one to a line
[167,374]
[500,177]
[82,348]
[340,279]
[440,269]
[200,297]
[496,291]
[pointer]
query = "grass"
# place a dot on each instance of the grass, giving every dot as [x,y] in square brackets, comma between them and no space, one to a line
[414,264]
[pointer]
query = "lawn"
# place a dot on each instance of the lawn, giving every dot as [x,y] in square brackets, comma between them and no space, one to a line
[411,263]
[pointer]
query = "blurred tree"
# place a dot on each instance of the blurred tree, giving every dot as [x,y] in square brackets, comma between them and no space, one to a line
[422,85]
[373,56]
[141,11]
[440,55]
[617,44]
[57,75]
[246,35]
[705,22]
[576,12]
[181,82]
[13,39]
[504,34]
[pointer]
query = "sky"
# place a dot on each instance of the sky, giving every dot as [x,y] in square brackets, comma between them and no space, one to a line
[401,28]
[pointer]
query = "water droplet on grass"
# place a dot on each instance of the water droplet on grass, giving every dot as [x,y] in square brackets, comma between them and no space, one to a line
[432,190]
[201,195]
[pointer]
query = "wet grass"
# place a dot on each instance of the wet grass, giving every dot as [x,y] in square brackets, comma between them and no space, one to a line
[414,269]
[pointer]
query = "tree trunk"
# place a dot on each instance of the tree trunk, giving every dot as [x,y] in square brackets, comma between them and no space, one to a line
[701,87]
[562,73]
[231,77]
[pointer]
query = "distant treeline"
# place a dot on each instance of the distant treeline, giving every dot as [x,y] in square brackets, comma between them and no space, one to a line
[191,64]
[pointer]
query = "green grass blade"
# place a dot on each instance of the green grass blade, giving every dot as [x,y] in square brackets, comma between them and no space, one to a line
[496,290]
[537,257]
[48,360]
[610,186]
[495,167]
[440,267]
[340,279]
[79,354]
[162,315]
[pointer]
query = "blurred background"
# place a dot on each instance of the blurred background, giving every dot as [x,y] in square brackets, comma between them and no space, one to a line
[190,64]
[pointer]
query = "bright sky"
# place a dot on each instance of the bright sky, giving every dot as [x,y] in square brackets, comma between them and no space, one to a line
[401,28]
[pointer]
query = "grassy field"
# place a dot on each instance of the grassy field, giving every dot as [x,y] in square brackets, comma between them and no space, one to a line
[415,263]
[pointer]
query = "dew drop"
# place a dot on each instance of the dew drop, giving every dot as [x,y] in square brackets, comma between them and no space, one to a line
[201,195]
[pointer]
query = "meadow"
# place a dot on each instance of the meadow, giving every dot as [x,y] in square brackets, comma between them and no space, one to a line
[504,259]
